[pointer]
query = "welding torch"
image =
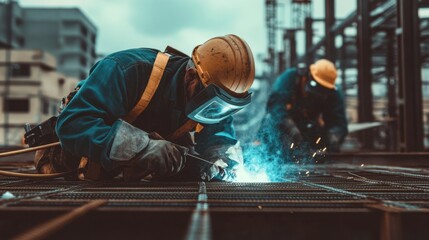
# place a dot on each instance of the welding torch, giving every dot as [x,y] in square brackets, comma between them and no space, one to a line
[219,167]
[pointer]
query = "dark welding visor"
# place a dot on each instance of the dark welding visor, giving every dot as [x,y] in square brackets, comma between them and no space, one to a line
[213,104]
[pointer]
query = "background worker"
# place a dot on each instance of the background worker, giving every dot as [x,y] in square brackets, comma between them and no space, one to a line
[305,111]
[205,89]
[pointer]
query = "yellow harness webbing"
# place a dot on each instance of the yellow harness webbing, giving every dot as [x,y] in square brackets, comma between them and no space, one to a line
[152,85]
[154,80]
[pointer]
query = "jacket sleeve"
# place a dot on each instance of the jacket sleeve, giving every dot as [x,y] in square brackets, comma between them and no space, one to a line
[90,121]
[335,120]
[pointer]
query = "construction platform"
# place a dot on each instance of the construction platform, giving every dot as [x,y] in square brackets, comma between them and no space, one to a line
[364,196]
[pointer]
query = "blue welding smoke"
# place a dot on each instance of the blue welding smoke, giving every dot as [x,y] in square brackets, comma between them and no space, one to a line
[274,157]
[263,165]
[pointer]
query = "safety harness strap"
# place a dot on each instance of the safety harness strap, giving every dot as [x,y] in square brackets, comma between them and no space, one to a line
[94,170]
[152,85]
[154,80]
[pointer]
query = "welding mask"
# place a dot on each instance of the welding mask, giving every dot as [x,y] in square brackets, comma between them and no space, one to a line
[316,93]
[213,104]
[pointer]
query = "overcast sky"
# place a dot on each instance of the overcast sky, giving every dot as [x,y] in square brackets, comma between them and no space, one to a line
[182,24]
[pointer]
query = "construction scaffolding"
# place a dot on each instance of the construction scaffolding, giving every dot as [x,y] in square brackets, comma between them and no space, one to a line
[385,44]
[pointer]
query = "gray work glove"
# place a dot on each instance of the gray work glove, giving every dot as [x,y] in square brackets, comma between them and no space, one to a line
[144,154]
[225,160]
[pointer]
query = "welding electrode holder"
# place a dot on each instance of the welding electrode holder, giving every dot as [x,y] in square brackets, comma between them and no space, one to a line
[42,133]
[210,171]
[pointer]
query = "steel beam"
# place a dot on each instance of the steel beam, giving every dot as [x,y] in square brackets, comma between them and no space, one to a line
[391,92]
[329,23]
[365,108]
[410,82]
[271,24]
[289,40]
[9,32]
[346,22]
[308,40]
[343,62]
[383,14]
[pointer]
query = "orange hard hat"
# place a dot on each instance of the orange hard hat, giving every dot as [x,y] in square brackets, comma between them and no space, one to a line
[227,62]
[324,72]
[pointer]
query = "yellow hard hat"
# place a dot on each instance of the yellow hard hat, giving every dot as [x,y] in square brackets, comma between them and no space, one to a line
[324,72]
[227,62]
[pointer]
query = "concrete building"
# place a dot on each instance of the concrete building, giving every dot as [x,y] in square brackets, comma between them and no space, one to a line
[11,25]
[31,91]
[66,33]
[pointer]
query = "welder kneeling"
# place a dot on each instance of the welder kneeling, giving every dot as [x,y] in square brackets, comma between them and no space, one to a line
[142,112]
[305,112]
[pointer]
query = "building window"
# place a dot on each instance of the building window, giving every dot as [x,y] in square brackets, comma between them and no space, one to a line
[16,105]
[21,41]
[45,106]
[21,70]
[70,24]
[83,46]
[61,82]
[83,61]
[18,21]
[83,30]
[71,41]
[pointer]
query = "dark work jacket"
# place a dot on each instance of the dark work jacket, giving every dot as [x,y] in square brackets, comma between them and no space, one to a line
[287,101]
[88,124]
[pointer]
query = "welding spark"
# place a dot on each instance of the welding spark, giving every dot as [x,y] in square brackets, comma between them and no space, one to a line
[324,150]
[314,154]
[291,146]
[318,140]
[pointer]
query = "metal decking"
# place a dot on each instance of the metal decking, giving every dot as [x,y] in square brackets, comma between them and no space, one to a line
[327,201]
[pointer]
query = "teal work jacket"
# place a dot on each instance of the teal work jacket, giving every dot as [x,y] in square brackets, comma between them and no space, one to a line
[88,124]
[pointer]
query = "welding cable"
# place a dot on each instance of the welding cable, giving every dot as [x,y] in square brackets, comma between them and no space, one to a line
[33,175]
[36,175]
[26,150]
